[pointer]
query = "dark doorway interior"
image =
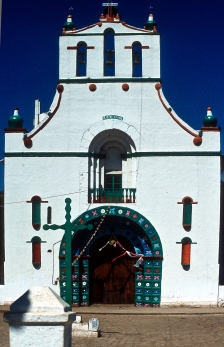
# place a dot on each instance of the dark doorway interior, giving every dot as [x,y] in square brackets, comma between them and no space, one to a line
[111,282]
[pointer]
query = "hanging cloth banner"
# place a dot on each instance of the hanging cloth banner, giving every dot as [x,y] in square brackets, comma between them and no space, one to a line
[114,242]
[131,254]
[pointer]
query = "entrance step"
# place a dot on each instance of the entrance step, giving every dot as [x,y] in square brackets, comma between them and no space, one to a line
[90,329]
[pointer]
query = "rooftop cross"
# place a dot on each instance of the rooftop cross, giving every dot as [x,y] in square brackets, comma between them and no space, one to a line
[110,4]
[69,229]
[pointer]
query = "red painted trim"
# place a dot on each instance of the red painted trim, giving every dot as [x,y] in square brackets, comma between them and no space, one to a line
[16,130]
[138,29]
[76,47]
[125,87]
[158,87]
[186,254]
[83,29]
[60,90]
[36,253]
[217,129]
[131,47]
[187,198]
[37,197]
[92,87]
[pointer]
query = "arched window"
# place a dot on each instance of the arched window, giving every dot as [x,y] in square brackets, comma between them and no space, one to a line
[81,59]
[136,59]
[109,53]
[111,171]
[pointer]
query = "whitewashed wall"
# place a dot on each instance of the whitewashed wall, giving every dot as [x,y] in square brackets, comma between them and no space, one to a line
[161,182]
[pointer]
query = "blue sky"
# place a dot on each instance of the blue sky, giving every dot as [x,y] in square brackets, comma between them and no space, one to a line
[192,53]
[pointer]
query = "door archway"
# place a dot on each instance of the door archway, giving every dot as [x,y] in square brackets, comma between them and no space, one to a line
[114,278]
[111,281]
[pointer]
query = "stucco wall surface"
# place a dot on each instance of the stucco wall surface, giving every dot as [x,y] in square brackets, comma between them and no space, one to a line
[139,107]
[161,183]
[161,177]
[123,56]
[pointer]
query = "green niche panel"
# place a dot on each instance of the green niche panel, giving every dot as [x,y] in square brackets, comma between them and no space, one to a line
[187,213]
[80,281]
[148,284]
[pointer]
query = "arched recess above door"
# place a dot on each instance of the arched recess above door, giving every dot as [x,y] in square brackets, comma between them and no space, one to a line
[109,124]
[130,215]
[112,174]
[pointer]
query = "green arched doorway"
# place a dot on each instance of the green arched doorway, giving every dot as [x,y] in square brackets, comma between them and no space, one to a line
[116,281]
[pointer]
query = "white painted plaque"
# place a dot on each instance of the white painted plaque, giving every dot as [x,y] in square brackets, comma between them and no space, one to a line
[94,324]
[112,4]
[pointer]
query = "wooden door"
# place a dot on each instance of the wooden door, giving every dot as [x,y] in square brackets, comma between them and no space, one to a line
[112,282]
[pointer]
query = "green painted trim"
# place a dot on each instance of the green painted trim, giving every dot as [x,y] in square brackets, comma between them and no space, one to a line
[121,211]
[192,243]
[116,34]
[102,156]
[171,154]
[32,241]
[109,80]
[55,154]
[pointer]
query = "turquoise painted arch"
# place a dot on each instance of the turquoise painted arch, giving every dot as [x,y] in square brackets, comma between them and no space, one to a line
[148,275]
[125,212]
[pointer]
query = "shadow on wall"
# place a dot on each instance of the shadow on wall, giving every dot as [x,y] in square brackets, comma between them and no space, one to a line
[221,238]
[2,241]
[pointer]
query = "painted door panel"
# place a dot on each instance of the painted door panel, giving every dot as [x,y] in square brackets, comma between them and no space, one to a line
[113,283]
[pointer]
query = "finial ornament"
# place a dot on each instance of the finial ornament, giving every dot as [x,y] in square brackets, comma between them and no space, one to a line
[15,121]
[69,25]
[151,25]
[209,120]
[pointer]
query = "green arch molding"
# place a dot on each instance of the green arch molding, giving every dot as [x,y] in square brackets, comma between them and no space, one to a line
[148,275]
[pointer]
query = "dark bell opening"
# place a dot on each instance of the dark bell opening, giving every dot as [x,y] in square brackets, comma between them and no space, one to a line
[109,60]
[113,10]
[136,60]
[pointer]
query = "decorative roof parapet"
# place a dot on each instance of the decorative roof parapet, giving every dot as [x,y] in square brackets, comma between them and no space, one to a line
[197,138]
[78,31]
[150,25]
[131,27]
[69,25]
[28,138]
[210,122]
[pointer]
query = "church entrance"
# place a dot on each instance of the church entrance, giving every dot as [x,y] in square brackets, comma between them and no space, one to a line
[116,261]
[111,281]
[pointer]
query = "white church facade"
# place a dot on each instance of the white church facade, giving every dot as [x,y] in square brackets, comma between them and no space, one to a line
[142,187]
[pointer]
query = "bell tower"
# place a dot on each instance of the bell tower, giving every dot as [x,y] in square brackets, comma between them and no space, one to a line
[109,49]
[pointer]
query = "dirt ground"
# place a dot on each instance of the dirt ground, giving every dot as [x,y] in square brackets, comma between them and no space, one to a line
[148,330]
[157,331]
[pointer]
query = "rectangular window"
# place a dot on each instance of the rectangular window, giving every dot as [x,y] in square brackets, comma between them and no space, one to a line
[113,181]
